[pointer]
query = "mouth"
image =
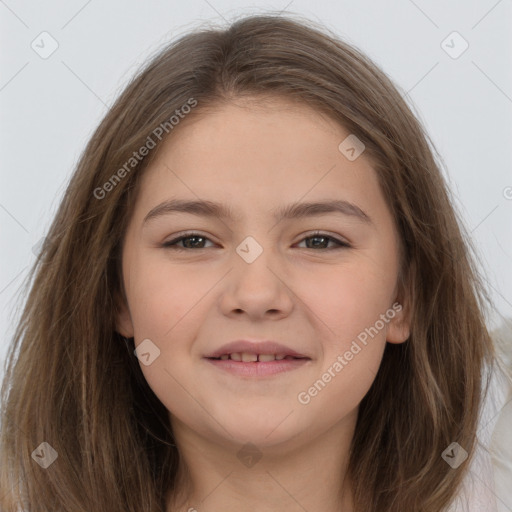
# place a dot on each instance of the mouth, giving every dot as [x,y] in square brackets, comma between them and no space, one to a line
[256,359]
[247,357]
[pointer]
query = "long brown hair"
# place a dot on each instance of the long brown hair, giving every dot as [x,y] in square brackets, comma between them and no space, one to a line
[73,382]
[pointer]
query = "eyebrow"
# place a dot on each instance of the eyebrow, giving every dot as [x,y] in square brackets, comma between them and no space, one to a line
[292,211]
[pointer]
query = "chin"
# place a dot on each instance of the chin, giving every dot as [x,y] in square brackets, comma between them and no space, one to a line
[264,430]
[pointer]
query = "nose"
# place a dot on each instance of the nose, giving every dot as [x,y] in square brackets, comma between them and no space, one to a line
[261,289]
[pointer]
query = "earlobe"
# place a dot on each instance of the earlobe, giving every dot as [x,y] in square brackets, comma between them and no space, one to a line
[123,320]
[399,327]
[398,330]
[397,333]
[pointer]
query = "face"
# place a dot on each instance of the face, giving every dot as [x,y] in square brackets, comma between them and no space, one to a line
[321,285]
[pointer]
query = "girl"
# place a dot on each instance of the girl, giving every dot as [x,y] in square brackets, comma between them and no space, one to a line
[256,295]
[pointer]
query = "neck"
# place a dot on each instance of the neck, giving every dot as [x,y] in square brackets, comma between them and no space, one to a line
[296,475]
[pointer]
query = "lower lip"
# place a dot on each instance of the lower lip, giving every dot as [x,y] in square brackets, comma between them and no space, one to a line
[257,369]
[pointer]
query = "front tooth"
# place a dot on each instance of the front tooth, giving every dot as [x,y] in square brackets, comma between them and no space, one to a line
[224,356]
[236,356]
[280,356]
[249,358]
[266,357]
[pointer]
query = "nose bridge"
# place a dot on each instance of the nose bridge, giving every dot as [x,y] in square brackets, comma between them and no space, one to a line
[255,282]
[255,259]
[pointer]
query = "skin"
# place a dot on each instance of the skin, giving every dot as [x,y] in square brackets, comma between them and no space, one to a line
[256,158]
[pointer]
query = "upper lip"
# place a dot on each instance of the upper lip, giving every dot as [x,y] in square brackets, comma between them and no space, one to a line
[255,347]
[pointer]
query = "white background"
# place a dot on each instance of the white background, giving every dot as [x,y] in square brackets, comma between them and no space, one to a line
[50,107]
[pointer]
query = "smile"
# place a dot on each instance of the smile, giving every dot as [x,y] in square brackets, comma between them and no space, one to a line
[256,365]
[247,357]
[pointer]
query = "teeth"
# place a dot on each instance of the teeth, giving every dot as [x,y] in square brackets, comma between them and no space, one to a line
[252,358]
[266,357]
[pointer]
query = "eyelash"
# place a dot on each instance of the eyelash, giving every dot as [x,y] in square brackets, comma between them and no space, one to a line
[171,244]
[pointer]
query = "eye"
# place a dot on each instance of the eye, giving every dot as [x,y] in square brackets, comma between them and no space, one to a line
[196,241]
[321,239]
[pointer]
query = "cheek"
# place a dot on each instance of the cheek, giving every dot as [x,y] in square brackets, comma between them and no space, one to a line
[165,295]
[348,308]
[348,299]
[350,302]
[339,389]
[167,308]
[175,390]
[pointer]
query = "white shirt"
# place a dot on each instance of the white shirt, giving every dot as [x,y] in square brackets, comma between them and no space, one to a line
[488,484]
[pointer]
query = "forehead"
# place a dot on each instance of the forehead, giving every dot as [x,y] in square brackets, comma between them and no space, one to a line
[256,155]
[253,136]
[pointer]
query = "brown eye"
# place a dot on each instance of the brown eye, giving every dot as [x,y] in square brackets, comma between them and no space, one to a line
[322,240]
[190,241]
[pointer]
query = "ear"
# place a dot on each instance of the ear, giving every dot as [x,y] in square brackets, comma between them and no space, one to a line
[123,319]
[398,330]
[399,327]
